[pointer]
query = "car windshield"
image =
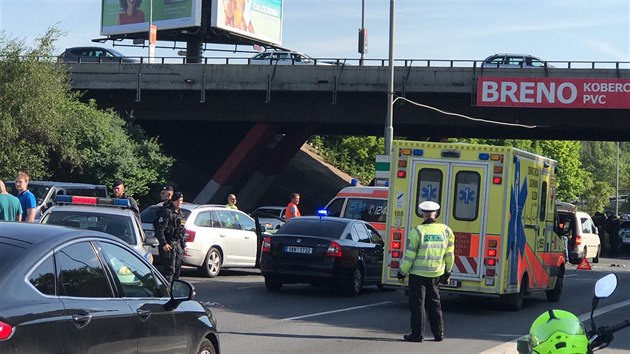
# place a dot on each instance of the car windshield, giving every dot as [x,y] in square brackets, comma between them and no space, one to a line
[117,225]
[323,228]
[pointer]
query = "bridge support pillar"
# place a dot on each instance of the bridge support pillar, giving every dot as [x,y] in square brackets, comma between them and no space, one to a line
[273,163]
[193,50]
[220,185]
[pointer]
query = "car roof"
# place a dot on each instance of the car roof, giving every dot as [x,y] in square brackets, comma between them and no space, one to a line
[61,184]
[109,210]
[34,233]
[513,54]
[275,207]
[325,219]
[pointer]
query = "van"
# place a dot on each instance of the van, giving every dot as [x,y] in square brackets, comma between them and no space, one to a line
[46,191]
[365,203]
[579,228]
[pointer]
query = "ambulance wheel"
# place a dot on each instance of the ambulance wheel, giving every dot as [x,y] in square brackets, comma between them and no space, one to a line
[554,294]
[514,302]
[596,258]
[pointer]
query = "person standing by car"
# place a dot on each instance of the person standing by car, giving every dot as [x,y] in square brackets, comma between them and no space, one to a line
[10,207]
[26,197]
[612,228]
[169,230]
[118,189]
[231,202]
[429,258]
[292,208]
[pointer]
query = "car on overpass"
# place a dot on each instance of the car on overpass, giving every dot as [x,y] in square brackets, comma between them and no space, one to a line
[283,57]
[94,55]
[511,60]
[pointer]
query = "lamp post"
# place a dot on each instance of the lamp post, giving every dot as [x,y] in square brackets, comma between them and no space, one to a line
[617,183]
[389,127]
[362,34]
[152,34]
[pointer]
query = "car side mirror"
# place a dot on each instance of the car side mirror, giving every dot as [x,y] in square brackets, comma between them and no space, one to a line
[182,290]
[151,241]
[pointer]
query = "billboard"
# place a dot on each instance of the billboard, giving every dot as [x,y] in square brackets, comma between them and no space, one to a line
[130,16]
[553,92]
[258,19]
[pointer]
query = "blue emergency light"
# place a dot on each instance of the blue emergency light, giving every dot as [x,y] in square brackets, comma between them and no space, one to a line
[83,200]
[322,212]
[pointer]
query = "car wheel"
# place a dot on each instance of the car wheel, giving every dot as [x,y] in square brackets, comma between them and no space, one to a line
[206,347]
[212,265]
[272,284]
[514,302]
[354,284]
[596,258]
[554,294]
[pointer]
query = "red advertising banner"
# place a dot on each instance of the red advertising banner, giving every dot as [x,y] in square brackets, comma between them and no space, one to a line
[536,92]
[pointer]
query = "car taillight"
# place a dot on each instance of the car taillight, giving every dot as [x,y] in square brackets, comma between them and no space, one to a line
[6,330]
[334,249]
[266,245]
[189,235]
[578,240]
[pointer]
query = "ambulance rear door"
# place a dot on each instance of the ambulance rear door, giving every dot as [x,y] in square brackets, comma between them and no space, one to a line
[460,187]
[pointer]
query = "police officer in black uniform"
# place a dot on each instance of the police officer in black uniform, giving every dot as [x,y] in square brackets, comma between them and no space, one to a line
[169,230]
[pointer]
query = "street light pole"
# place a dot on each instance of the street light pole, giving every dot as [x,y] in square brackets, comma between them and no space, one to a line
[362,33]
[151,29]
[389,126]
[617,183]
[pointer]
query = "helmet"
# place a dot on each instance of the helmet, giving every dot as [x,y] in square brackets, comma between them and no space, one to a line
[558,331]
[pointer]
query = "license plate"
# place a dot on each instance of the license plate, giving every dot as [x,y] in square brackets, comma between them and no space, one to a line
[452,283]
[295,249]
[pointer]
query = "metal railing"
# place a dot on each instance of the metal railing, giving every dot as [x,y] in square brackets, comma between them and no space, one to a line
[429,63]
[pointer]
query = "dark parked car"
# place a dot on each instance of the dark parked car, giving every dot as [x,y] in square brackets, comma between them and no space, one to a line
[323,250]
[94,55]
[80,291]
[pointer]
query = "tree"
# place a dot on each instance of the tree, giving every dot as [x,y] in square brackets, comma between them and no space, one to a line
[50,134]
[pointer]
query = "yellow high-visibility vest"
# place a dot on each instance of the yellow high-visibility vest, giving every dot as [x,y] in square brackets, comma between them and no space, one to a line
[429,251]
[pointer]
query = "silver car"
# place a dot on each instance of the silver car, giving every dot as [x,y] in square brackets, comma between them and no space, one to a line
[94,55]
[101,214]
[216,237]
[283,57]
[271,217]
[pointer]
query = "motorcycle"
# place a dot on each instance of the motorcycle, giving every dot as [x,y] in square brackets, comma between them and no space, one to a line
[557,331]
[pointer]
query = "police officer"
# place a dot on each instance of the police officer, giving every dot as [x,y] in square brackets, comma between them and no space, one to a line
[428,261]
[118,189]
[169,230]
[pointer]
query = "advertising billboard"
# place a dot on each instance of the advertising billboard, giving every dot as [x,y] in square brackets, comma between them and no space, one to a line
[258,19]
[130,16]
[553,92]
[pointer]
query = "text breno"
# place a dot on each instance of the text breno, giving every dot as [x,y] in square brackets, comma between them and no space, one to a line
[528,92]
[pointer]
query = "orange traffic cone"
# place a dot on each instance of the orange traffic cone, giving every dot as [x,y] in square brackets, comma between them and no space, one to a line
[584,264]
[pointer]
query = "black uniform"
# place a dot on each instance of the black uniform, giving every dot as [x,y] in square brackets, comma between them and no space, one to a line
[612,228]
[169,228]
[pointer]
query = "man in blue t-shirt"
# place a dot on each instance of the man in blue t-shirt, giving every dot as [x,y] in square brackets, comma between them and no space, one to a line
[26,197]
[10,207]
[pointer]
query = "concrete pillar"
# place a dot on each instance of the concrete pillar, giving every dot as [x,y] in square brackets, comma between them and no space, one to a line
[193,50]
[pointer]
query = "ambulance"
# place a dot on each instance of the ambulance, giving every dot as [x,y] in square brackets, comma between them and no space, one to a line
[367,203]
[500,203]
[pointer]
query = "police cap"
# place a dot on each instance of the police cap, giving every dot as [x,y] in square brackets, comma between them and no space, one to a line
[429,206]
[176,196]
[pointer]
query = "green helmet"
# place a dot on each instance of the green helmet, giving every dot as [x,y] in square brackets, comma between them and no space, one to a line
[558,332]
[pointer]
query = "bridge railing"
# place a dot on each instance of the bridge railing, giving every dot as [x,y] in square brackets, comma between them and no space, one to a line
[437,63]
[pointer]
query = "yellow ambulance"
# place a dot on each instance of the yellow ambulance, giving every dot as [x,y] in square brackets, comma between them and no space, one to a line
[500,203]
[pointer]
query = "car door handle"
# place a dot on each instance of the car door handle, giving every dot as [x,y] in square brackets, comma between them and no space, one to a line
[144,314]
[222,235]
[81,320]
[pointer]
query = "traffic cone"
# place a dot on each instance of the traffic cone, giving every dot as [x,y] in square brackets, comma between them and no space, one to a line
[584,264]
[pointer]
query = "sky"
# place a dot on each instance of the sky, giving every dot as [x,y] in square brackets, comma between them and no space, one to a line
[555,30]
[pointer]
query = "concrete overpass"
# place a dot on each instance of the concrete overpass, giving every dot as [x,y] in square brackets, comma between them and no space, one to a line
[253,118]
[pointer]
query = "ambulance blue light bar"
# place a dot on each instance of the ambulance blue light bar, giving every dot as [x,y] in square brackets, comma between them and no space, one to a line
[322,212]
[83,200]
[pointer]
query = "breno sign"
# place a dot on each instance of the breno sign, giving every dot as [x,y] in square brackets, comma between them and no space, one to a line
[553,92]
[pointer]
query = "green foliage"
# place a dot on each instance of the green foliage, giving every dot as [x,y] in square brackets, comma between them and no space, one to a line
[354,155]
[50,134]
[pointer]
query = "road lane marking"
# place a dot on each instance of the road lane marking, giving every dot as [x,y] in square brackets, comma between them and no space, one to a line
[336,311]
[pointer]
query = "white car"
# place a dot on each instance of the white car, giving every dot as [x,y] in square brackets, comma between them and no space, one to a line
[216,237]
[509,60]
[271,217]
[583,238]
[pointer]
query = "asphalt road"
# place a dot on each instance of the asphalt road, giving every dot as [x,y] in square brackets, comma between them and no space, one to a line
[307,319]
